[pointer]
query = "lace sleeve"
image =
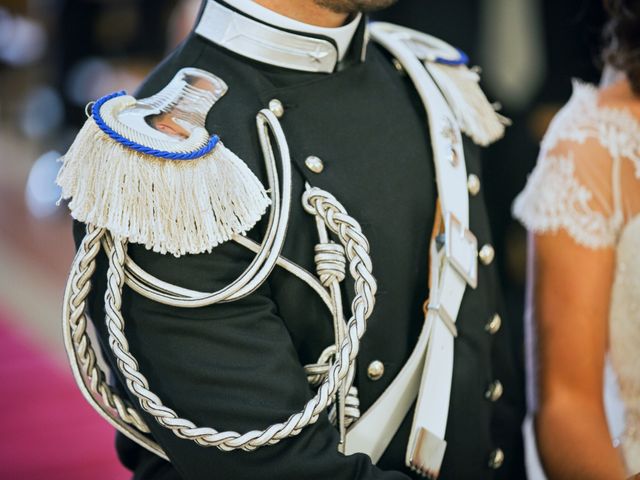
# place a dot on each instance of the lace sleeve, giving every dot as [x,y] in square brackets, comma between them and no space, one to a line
[571,189]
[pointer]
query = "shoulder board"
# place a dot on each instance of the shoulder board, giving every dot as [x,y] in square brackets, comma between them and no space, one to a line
[459,84]
[148,171]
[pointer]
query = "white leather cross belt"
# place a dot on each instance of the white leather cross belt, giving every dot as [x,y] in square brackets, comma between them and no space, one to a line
[453,256]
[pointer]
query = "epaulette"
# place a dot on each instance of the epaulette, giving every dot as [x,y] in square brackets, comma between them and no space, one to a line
[459,84]
[148,171]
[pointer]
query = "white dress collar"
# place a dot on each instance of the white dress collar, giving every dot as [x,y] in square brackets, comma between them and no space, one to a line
[257,33]
[341,35]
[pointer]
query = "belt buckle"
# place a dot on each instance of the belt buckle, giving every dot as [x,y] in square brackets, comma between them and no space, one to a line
[461,249]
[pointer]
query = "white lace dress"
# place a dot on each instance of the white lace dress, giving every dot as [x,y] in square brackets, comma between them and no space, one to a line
[587,182]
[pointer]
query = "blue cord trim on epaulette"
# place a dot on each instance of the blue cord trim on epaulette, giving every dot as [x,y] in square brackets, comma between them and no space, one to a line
[463,59]
[95,112]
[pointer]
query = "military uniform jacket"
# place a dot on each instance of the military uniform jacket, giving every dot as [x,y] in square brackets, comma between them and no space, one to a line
[239,365]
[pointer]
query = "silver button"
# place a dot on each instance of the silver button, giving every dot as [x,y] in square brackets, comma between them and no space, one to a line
[487,254]
[375,371]
[495,391]
[276,107]
[453,156]
[496,459]
[314,164]
[449,132]
[473,184]
[398,66]
[494,324]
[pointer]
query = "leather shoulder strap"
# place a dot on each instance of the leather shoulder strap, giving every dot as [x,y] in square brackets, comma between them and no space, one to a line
[428,372]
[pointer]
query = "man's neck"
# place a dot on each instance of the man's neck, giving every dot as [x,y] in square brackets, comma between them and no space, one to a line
[307,11]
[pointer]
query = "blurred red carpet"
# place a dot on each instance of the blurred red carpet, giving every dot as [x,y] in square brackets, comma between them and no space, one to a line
[49,432]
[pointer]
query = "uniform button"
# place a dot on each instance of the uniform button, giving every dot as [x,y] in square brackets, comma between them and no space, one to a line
[314,164]
[276,107]
[398,66]
[496,459]
[375,370]
[453,156]
[494,392]
[494,324]
[486,254]
[473,184]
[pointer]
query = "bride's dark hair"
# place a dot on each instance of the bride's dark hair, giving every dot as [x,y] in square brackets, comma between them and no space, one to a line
[622,35]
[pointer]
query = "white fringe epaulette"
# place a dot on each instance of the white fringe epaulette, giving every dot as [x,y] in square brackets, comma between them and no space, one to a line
[459,84]
[475,114]
[169,206]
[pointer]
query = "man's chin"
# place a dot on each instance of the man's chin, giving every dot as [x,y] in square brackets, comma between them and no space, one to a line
[354,6]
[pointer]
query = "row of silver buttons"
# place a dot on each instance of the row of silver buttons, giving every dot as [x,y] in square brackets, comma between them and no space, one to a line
[494,391]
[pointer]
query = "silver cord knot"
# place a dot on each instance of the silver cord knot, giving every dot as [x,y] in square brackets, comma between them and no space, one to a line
[330,262]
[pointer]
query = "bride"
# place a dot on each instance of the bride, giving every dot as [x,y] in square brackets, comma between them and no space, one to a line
[581,206]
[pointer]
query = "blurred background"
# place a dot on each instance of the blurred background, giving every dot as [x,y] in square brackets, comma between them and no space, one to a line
[58,55]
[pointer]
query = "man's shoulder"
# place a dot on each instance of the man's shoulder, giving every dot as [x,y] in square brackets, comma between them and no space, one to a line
[449,68]
[426,47]
[156,169]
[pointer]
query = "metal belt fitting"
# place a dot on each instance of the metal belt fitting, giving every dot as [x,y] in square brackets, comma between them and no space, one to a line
[427,454]
[445,317]
[461,252]
[461,249]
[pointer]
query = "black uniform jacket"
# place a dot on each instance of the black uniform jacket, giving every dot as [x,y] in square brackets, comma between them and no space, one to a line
[239,366]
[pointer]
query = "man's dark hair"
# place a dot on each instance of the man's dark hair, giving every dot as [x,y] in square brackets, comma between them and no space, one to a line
[353,6]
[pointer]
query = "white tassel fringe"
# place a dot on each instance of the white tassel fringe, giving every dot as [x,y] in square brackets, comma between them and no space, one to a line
[474,113]
[169,206]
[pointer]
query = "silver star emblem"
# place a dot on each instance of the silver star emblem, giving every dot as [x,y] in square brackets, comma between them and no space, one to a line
[318,54]
[230,33]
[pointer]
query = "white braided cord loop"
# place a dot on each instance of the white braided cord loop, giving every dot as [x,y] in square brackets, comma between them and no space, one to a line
[317,371]
[316,202]
[330,214]
[80,351]
[321,203]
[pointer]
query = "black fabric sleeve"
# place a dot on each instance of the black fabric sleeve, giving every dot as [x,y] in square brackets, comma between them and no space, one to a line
[230,366]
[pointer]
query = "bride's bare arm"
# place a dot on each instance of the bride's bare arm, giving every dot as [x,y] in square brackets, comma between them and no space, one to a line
[570,295]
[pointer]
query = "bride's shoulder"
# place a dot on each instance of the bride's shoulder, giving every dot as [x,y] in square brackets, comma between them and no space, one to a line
[580,182]
[576,120]
[608,115]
